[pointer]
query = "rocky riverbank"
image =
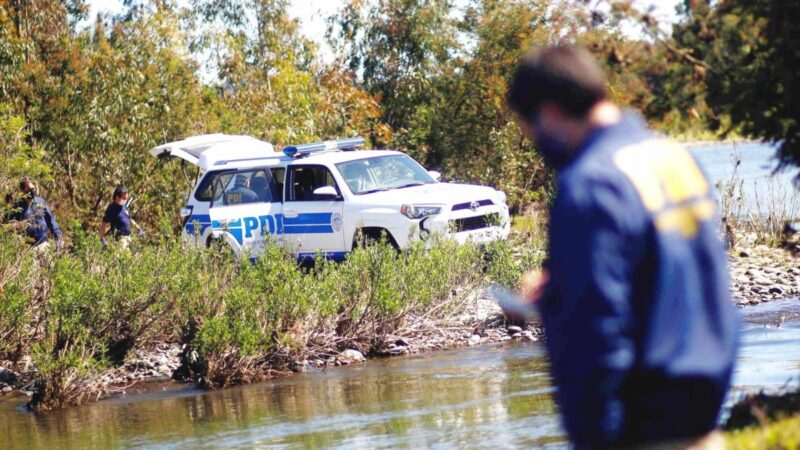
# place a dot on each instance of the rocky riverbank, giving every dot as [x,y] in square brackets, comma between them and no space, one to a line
[760,273]
[481,322]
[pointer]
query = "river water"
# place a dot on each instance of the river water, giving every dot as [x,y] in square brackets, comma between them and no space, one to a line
[495,396]
[762,189]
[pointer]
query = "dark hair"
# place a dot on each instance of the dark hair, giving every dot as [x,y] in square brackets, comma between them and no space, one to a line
[120,191]
[565,75]
[24,181]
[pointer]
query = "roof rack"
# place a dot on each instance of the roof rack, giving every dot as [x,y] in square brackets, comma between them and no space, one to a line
[300,151]
[223,162]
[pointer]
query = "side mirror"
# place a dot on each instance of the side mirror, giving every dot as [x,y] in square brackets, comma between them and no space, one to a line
[326,193]
[436,175]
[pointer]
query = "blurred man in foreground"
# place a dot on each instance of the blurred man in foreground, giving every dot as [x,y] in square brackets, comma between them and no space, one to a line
[31,214]
[641,331]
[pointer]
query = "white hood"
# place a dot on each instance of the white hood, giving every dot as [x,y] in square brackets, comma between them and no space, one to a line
[435,193]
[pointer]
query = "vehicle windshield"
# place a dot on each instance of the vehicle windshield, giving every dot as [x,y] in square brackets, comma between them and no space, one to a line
[383,173]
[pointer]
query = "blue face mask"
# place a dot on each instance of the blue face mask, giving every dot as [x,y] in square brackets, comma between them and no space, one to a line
[552,147]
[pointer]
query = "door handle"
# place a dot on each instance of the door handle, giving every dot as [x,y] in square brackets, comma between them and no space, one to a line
[290,214]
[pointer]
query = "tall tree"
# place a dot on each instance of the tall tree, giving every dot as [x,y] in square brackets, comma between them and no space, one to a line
[473,135]
[397,48]
[750,53]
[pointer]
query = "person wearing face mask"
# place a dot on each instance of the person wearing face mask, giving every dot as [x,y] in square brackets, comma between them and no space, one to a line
[118,219]
[641,331]
[32,214]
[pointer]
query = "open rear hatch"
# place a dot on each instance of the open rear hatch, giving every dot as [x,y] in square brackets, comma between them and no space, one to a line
[208,150]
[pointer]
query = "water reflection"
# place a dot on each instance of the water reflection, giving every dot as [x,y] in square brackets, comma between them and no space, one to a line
[470,397]
[489,396]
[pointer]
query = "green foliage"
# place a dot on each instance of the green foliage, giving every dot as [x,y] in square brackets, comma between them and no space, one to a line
[272,312]
[779,435]
[78,313]
[749,50]
[440,71]
[17,157]
[18,286]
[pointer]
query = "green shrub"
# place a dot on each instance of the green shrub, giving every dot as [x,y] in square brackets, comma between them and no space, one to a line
[20,287]
[79,312]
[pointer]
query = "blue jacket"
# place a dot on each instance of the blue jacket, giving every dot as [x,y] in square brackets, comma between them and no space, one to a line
[39,218]
[640,328]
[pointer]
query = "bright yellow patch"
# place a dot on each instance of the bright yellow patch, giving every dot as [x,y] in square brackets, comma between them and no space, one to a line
[669,183]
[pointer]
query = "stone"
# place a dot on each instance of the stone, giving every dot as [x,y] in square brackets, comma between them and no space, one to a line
[351,355]
[761,280]
[398,350]
[6,389]
[775,290]
[514,329]
[474,340]
[744,254]
[7,375]
[516,336]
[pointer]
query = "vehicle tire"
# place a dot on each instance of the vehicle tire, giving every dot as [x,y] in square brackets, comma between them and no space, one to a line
[221,249]
[366,237]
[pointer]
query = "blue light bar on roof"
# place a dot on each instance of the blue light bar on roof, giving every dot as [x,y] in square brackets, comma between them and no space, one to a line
[341,144]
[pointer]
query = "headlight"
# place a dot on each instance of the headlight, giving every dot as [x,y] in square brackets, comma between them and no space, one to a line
[419,211]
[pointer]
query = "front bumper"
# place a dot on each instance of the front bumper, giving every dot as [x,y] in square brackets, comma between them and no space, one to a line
[481,225]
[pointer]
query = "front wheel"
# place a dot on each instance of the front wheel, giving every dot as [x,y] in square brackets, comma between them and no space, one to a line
[367,237]
[221,249]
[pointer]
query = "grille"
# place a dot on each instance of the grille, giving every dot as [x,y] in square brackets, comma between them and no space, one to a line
[473,223]
[460,206]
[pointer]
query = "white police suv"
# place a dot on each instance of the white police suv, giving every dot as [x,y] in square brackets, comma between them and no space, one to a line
[324,197]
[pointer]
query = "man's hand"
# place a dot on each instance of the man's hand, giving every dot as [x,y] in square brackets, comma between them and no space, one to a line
[531,285]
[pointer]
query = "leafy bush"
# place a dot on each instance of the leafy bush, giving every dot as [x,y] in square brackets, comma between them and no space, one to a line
[18,293]
[77,313]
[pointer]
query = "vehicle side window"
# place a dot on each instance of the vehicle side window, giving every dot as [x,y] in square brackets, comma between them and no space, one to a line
[237,188]
[205,191]
[305,179]
[278,174]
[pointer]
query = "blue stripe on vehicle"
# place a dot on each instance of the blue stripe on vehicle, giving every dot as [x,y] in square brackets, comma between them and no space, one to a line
[203,220]
[234,228]
[309,219]
[297,229]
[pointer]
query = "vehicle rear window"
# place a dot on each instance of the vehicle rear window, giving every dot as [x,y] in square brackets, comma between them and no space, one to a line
[236,187]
